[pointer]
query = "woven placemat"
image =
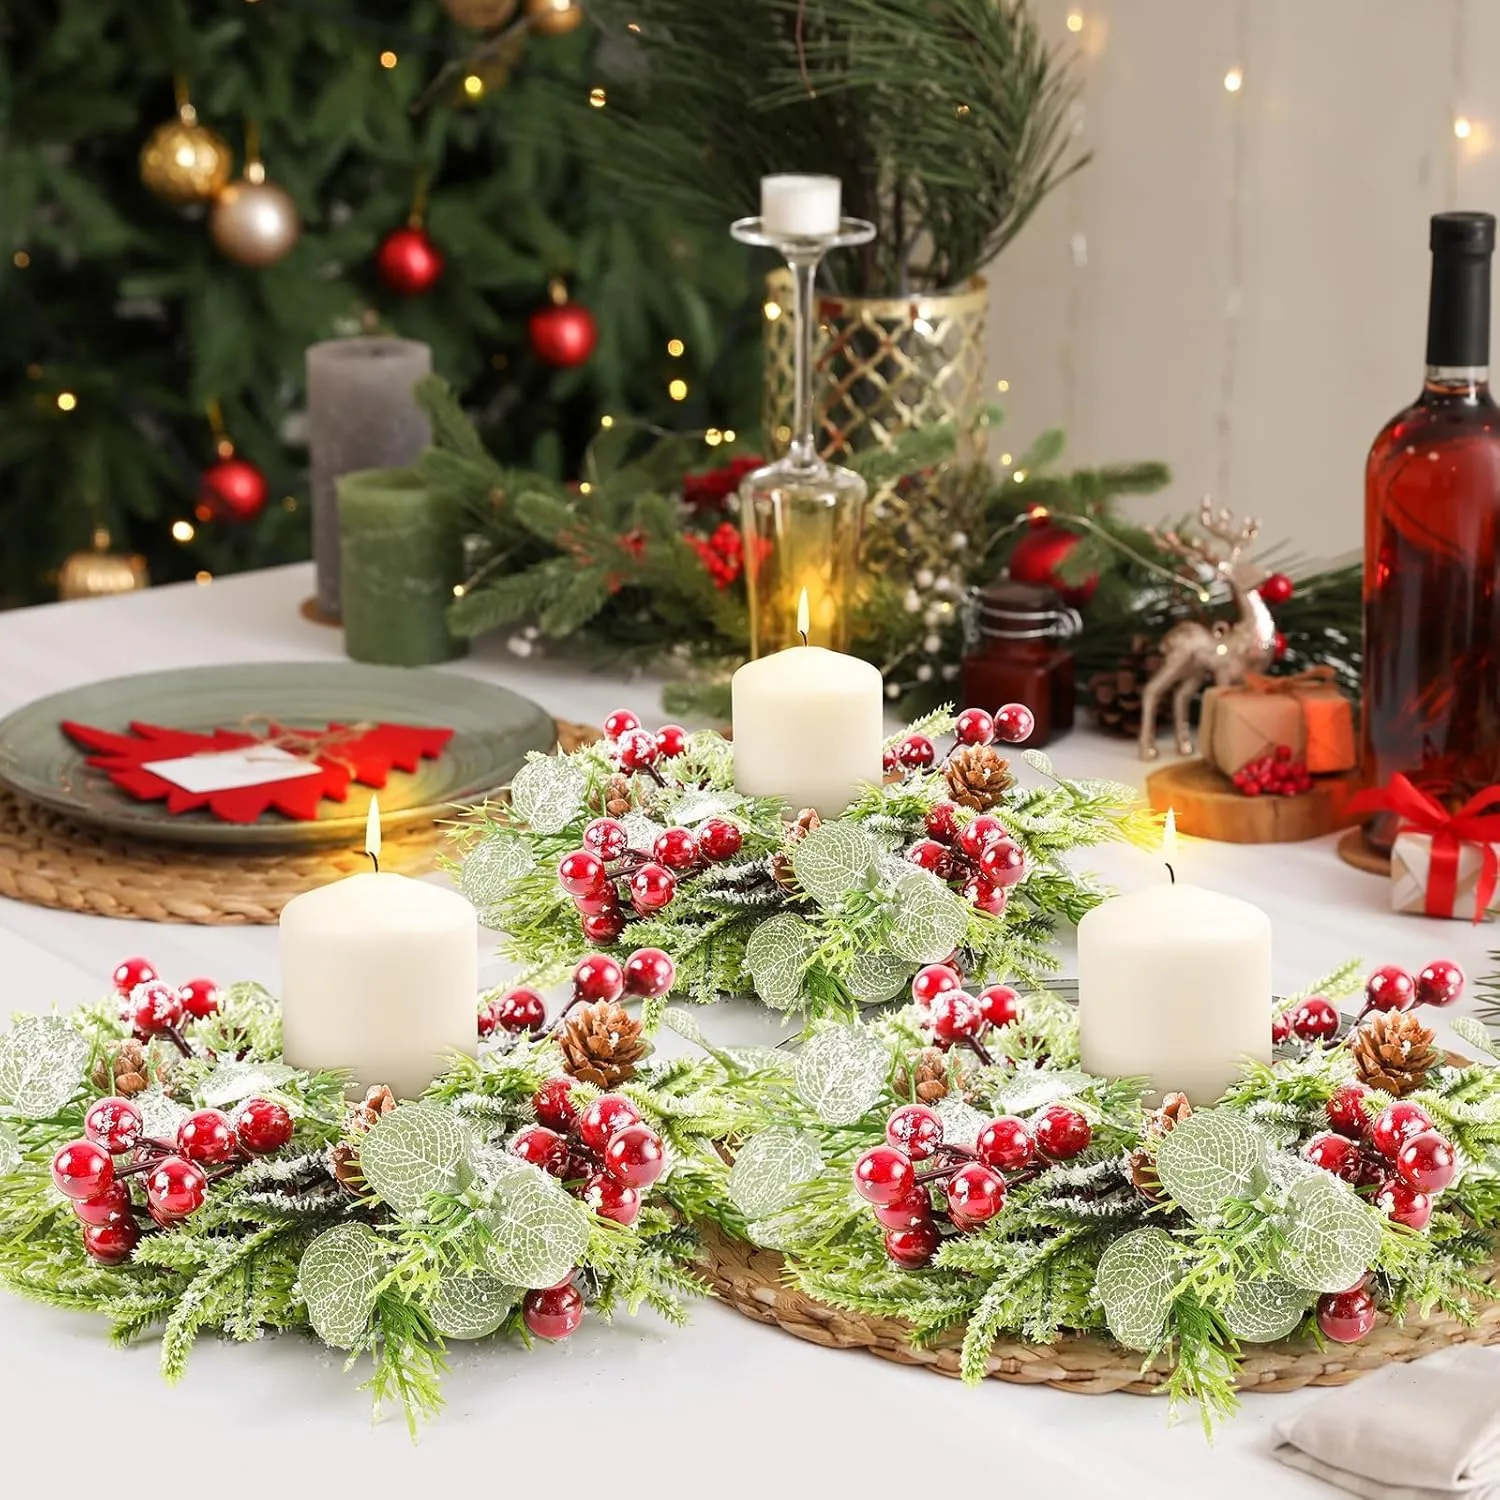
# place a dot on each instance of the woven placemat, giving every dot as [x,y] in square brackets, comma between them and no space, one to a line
[752,1282]
[47,859]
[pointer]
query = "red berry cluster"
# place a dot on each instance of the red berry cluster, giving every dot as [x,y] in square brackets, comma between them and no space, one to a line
[151,1007]
[604,1154]
[645,975]
[1439,984]
[916,752]
[979,857]
[176,1183]
[635,749]
[971,1183]
[1279,774]
[951,1016]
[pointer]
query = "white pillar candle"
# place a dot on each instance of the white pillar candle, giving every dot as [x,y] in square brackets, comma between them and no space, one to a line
[1174,985]
[808,726]
[793,204]
[379,975]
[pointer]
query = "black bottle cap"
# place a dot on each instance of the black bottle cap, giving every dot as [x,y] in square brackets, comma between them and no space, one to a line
[1458,307]
[1463,233]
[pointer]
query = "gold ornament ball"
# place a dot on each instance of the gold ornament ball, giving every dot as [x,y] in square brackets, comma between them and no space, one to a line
[254,221]
[184,162]
[480,15]
[96,571]
[554,17]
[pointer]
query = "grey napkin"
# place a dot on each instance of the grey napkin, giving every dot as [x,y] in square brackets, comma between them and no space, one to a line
[1423,1431]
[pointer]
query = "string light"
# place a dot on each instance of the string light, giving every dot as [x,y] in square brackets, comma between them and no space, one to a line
[289,503]
[678,390]
[203,576]
[20,260]
[1234,81]
[606,421]
[598,98]
[66,401]
[772,311]
[634,26]
[1019,476]
[458,591]
[473,85]
[729,434]
[783,433]
[1005,459]
[1462,128]
[675,348]
[961,110]
[1075,20]
[585,488]
[182,531]
[1002,386]
[388,59]
[713,437]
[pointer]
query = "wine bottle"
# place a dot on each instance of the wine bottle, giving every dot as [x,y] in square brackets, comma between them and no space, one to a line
[1432,512]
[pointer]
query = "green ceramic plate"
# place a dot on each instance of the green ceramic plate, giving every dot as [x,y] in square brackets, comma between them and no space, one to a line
[493,730]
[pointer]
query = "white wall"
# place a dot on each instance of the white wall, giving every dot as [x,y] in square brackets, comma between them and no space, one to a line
[1237,282]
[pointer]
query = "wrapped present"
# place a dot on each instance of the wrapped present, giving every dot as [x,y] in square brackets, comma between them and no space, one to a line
[1305,711]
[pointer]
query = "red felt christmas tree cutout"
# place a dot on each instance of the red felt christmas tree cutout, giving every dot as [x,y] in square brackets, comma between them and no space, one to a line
[342,753]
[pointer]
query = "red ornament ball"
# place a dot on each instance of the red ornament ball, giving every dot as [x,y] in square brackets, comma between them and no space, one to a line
[649,972]
[408,261]
[1426,1162]
[1346,1110]
[884,1174]
[580,872]
[554,1106]
[82,1170]
[200,998]
[719,840]
[941,822]
[113,1123]
[175,1188]
[596,977]
[1281,1027]
[1440,983]
[1395,1125]
[233,489]
[263,1127]
[651,888]
[912,1247]
[673,740]
[1014,723]
[974,727]
[607,1114]
[636,749]
[563,336]
[598,899]
[1002,862]
[987,897]
[110,1244]
[1061,1133]
[1390,988]
[1346,1317]
[676,848]
[1315,1020]
[905,1213]
[112,1205]
[930,982]
[1039,555]
[1006,1144]
[541,1147]
[914,1129]
[999,1004]
[1277,590]
[604,928]
[523,1010]
[1336,1154]
[952,1017]
[928,854]
[1278,646]
[975,836]
[612,1199]
[554,1312]
[131,972]
[206,1137]
[975,1193]
[635,1156]
[916,752]
[606,837]
[1402,1204]
[621,722]
[153,1007]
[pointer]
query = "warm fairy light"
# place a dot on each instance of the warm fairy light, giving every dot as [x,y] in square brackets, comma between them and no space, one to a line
[961,110]
[1005,459]
[1002,386]
[1037,514]
[598,98]
[372,829]
[585,488]
[713,437]
[606,421]
[729,434]
[66,401]
[1234,81]
[803,621]
[182,531]
[677,390]
[783,433]
[289,503]
[473,85]
[458,591]
[203,576]
[1075,20]
[675,347]
[20,260]
[772,311]
[634,26]
[1169,837]
[1462,128]
[388,59]
[1019,476]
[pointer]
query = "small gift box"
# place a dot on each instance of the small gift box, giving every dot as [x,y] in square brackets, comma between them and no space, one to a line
[1305,711]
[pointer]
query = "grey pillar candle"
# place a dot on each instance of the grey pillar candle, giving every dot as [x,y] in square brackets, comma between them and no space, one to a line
[361,414]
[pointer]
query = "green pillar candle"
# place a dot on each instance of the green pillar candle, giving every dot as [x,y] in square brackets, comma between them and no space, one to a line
[401,553]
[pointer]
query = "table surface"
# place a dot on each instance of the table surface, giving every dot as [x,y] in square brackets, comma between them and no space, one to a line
[738,1407]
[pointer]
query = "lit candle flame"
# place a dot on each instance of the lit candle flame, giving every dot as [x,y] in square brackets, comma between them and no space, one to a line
[372,832]
[804,620]
[1169,837]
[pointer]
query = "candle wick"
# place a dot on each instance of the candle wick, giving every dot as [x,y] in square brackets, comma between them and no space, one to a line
[375,860]
[803,634]
[1172,873]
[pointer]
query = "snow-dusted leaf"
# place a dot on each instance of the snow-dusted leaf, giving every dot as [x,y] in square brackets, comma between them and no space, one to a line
[694,806]
[339,1273]
[1330,1238]
[161,1114]
[769,1169]
[1040,762]
[1035,1089]
[548,792]
[416,1150]
[1136,1278]
[1264,1309]
[10,1149]
[961,1121]
[776,955]
[232,1081]
[641,832]
[834,859]
[42,1060]
[492,864]
[774,1233]
[841,1072]
[471,1306]
[1476,1034]
[929,921]
[540,1233]
[877,975]
[1209,1157]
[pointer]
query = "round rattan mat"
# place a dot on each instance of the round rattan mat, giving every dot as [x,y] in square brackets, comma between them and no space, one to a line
[46,859]
[750,1280]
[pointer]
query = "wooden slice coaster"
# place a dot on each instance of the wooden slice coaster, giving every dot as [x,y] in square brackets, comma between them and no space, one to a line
[309,610]
[1208,806]
[47,859]
[753,1282]
[1355,850]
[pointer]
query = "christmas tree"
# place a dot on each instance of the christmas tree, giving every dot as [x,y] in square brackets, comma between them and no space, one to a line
[141,348]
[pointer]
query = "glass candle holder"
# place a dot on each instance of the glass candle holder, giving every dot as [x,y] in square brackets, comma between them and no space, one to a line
[801,515]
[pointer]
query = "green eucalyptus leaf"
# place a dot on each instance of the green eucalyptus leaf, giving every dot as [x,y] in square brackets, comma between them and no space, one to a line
[841,1072]
[1210,1157]
[339,1273]
[1331,1238]
[471,1306]
[1137,1276]
[832,860]
[877,975]
[548,792]
[416,1150]
[776,956]
[769,1169]
[540,1233]
[42,1059]
[1476,1034]
[492,865]
[929,921]
[1265,1308]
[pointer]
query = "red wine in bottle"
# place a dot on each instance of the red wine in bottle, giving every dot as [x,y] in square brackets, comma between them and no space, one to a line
[1432,514]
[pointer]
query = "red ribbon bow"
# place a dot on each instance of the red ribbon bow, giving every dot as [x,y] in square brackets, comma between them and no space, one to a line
[1473,823]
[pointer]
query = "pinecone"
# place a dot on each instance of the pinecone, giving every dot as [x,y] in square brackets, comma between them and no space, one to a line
[343,1162]
[1117,694]
[1393,1052]
[619,796]
[927,1079]
[804,823]
[1174,1109]
[378,1100]
[601,1044]
[782,872]
[128,1068]
[978,776]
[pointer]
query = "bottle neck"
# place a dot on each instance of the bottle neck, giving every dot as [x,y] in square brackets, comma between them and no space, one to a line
[1458,311]
[1456,382]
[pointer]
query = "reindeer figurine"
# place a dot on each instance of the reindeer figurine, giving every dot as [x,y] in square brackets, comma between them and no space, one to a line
[1225,651]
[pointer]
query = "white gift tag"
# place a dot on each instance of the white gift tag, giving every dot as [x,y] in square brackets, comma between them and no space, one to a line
[225,770]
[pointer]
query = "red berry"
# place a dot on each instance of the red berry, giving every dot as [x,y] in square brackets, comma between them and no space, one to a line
[1278,646]
[542,1147]
[176,1187]
[884,1174]
[637,749]
[676,848]
[916,752]
[1440,983]
[888,762]
[928,854]
[597,976]
[941,822]
[1346,1317]
[634,1155]
[1390,988]
[930,982]
[595,903]
[905,1213]
[262,1126]
[1404,1205]
[652,888]
[719,839]
[621,722]
[111,1244]
[1002,862]
[522,1010]
[976,1192]
[999,1004]
[82,1170]
[554,1106]
[953,1016]
[1061,1133]
[1336,1154]
[1315,1020]
[1276,590]
[1395,1125]
[200,998]
[1014,723]
[649,972]
[131,972]
[607,1114]
[914,1129]
[673,740]
[1346,1110]
[1006,1144]
[153,1007]
[113,1123]
[1426,1162]
[1281,1027]
[1283,752]
[913,1247]
[974,727]
[975,835]
[611,1199]
[580,872]
[207,1137]
[606,837]
[553,1312]
[604,928]
[987,897]
[112,1205]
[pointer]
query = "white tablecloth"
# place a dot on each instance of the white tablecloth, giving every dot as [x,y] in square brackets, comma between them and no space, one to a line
[738,1407]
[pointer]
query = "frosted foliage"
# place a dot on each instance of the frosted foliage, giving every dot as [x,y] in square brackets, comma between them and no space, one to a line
[413,1152]
[929,921]
[41,1065]
[540,1233]
[231,1082]
[1210,1157]
[770,1168]
[1265,1309]
[548,792]
[833,860]
[696,806]
[339,1273]
[472,1306]
[1475,1034]
[841,1072]
[1043,763]
[1035,1090]
[876,976]
[10,1149]
[961,1121]
[776,954]
[492,864]
[160,1113]
[1136,1278]
[1330,1236]
[641,832]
